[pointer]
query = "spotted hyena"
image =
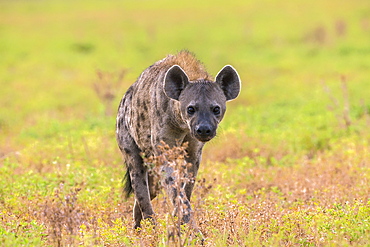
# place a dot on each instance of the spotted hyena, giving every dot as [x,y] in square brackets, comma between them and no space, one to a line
[173,101]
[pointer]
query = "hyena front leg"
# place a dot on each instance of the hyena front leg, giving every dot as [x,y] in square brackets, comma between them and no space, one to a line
[138,176]
[139,181]
[194,156]
[174,188]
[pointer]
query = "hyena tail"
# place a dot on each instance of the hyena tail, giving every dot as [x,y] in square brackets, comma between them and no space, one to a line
[127,184]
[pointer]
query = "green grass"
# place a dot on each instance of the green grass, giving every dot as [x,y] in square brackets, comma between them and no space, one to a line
[290,164]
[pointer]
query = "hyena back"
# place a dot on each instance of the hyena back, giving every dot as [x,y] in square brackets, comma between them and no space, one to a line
[173,101]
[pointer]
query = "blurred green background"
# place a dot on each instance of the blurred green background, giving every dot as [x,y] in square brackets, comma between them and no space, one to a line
[286,52]
[283,50]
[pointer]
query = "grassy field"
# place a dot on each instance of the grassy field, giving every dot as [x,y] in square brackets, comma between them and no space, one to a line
[290,165]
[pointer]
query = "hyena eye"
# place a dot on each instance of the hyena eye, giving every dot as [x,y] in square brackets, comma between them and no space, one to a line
[216,110]
[191,110]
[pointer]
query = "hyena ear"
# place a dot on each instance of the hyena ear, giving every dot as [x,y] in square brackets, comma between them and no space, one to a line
[175,81]
[229,81]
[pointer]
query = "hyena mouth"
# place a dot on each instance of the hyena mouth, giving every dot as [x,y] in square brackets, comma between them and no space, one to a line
[203,137]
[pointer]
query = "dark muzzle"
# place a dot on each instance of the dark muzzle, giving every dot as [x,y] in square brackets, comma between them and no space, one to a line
[204,132]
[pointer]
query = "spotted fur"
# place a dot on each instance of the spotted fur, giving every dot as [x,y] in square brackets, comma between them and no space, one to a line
[175,101]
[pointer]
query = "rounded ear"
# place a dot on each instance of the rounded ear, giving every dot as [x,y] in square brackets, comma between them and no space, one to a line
[175,81]
[229,81]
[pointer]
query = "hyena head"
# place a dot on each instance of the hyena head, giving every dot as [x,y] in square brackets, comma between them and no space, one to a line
[202,102]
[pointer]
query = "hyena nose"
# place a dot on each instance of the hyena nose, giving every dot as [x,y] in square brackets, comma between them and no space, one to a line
[204,130]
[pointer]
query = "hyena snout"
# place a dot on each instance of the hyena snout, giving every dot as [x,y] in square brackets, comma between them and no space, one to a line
[204,132]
